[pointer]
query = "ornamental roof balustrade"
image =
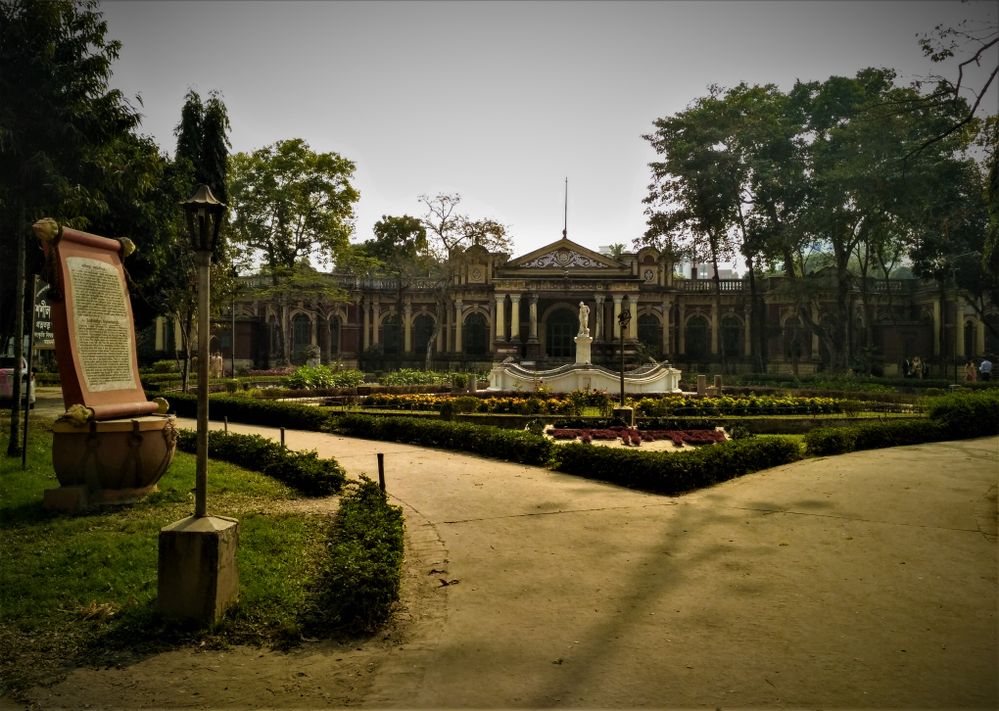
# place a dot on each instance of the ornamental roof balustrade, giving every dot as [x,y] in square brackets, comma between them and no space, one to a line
[705,285]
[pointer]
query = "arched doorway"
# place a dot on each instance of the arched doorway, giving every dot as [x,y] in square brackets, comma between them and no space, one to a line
[423,330]
[697,339]
[475,335]
[561,327]
[650,334]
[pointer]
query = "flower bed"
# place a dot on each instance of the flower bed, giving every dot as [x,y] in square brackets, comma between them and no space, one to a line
[634,437]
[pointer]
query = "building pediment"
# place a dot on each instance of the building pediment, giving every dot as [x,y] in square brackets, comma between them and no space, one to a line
[565,255]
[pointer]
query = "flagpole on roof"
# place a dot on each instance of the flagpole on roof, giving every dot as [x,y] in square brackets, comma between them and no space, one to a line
[565,223]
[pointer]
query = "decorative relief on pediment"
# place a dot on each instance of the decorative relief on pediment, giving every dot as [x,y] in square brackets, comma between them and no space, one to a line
[563,258]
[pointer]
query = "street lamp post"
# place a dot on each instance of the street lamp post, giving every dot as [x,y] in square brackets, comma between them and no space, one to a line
[624,319]
[204,218]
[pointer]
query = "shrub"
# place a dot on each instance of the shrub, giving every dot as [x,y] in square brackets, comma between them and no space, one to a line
[495,442]
[313,377]
[359,583]
[252,411]
[303,471]
[967,414]
[675,472]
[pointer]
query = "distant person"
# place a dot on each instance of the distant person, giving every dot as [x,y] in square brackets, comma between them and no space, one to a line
[985,368]
[970,372]
[917,367]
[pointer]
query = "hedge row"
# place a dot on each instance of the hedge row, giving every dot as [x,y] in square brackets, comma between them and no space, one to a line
[960,415]
[251,411]
[303,471]
[359,581]
[676,472]
[495,442]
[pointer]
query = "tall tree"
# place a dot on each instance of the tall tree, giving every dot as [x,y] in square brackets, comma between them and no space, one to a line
[695,192]
[201,157]
[290,203]
[59,122]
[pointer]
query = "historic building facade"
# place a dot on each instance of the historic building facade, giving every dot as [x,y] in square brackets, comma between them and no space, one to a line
[526,308]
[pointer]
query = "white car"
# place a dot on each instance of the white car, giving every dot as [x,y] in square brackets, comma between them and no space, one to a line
[7,380]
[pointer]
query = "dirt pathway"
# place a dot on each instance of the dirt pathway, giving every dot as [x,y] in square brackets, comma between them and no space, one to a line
[868,580]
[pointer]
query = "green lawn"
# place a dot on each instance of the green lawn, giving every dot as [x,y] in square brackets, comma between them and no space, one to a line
[77,589]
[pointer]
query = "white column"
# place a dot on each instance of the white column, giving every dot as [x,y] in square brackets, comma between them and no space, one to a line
[598,319]
[633,324]
[457,325]
[532,310]
[499,320]
[375,321]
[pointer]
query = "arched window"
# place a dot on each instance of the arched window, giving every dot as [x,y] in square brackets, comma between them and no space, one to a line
[389,335]
[731,332]
[650,334]
[423,329]
[301,336]
[696,336]
[475,335]
[562,327]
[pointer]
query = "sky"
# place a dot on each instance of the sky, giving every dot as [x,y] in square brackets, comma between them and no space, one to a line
[500,102]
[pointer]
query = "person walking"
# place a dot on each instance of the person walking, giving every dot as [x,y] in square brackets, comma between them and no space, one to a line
[985,368]
[970,372]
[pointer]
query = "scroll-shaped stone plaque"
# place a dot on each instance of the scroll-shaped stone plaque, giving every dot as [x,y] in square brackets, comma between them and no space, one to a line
[92,323]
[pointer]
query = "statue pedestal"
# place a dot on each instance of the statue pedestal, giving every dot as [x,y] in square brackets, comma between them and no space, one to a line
[583,349]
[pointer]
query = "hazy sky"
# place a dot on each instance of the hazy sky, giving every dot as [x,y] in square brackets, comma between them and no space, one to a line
[497,101]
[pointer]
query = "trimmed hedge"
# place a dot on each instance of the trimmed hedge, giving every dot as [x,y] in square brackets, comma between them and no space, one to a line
[358,584]
[303,471]
[253,411]
[960,415]
[494,442]
[675,472]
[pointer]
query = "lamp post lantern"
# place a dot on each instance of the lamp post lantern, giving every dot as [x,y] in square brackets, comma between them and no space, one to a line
[624,319]
[204,218]
[198,575]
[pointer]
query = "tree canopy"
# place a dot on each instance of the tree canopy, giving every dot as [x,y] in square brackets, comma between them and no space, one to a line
[289,202]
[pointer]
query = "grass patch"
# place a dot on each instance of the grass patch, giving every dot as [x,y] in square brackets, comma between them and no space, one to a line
[81,589]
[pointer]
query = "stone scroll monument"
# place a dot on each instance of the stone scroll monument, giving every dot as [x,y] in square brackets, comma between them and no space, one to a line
[112,444]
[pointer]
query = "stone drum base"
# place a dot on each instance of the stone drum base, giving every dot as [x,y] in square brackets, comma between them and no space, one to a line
[109,461]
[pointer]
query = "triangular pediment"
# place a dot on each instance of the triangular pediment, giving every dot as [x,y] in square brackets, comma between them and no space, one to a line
[564,255]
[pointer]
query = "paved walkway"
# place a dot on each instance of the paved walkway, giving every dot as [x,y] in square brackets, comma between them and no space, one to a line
[868,580]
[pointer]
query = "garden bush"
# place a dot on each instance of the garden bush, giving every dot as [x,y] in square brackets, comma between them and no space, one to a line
[253,411]
[960,415]
[303,471]
[494,442]
[359,583]
[312,377]
[675,472]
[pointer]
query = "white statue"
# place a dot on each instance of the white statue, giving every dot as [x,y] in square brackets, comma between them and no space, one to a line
[584,319]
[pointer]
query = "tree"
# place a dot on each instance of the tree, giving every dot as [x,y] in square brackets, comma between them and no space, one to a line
[59,127]
[449,234]
[693,198]
[289,204]
[200,158]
